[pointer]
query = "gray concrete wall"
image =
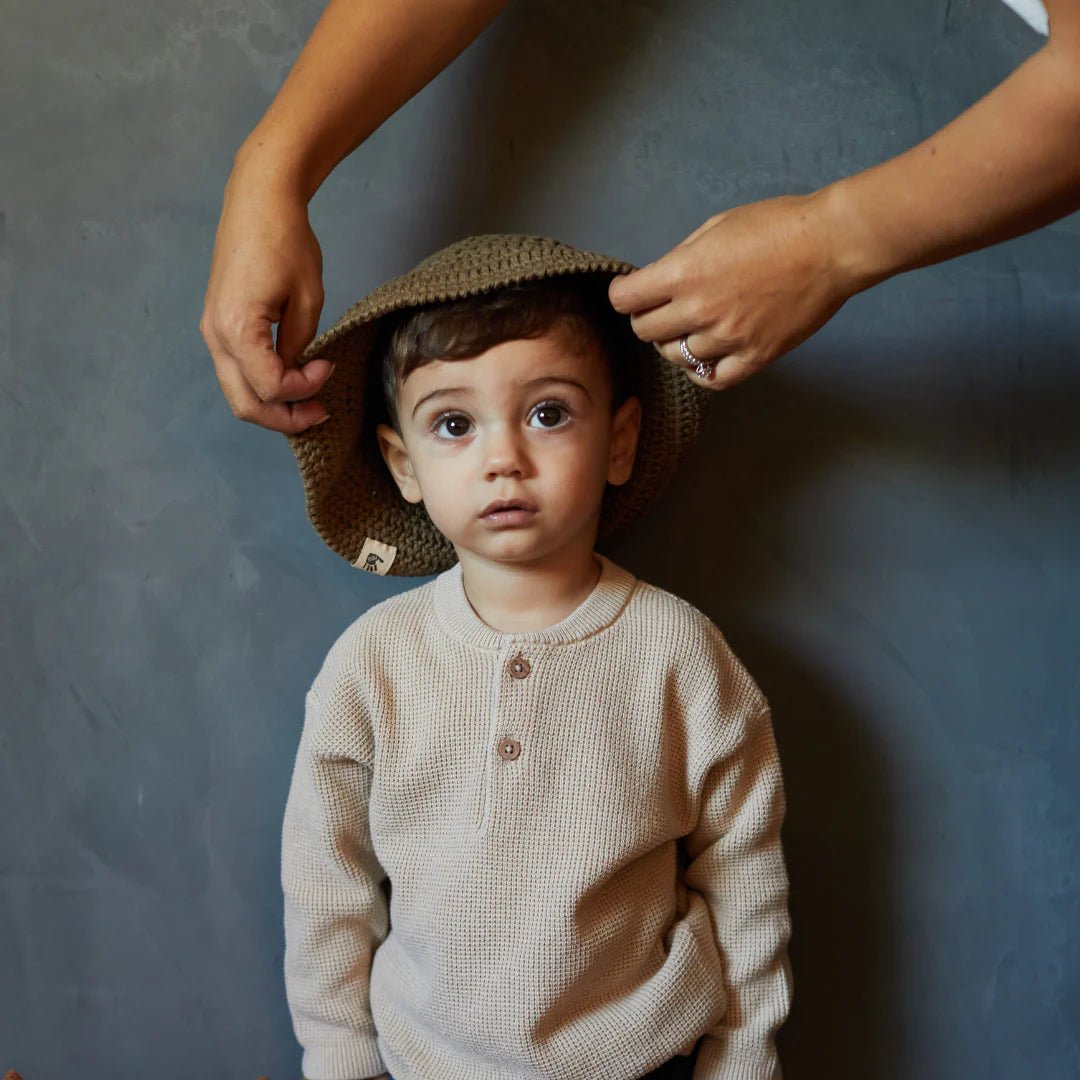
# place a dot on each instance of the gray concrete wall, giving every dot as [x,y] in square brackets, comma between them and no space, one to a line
[884,524]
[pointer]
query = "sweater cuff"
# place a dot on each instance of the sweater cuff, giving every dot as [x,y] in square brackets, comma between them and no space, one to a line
[357,1059]
[717,1059]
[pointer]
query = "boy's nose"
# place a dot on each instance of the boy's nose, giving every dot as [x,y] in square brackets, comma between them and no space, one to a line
[504,466]
[504,453]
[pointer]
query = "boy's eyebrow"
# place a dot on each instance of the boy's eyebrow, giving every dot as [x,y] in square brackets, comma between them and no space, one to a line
[446,391]
[560,379]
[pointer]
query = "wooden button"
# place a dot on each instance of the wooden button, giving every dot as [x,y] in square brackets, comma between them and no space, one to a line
[519,667]
[509,748]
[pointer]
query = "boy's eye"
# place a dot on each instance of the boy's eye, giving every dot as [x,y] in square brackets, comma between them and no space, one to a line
[457,425]
[549,412]
[454,425]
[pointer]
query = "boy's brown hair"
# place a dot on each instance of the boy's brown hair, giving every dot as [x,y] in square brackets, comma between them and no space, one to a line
[460,329]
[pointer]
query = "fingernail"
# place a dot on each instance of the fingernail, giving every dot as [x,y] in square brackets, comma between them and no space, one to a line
[322,420]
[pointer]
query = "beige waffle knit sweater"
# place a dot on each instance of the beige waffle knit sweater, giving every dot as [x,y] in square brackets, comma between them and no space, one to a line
[581,830]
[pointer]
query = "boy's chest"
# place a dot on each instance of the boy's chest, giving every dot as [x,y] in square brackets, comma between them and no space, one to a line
[555,742]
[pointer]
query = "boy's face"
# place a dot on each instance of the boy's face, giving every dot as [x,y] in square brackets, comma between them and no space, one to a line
[527,421]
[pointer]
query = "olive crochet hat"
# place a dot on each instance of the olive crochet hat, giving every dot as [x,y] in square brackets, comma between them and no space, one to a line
[353,501]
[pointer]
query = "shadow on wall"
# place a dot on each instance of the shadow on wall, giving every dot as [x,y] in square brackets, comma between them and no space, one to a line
[763,521]
[839,845]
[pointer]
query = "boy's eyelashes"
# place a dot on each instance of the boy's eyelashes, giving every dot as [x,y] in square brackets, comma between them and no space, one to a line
[459,421]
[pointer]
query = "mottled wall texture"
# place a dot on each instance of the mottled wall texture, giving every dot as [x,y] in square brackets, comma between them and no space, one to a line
[884,524]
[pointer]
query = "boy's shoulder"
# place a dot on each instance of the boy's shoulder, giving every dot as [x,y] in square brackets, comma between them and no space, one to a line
[695,649]
[672,617]
[375,628]
[401,607]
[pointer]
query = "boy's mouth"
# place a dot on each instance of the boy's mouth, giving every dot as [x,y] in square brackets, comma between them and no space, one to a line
[513,509]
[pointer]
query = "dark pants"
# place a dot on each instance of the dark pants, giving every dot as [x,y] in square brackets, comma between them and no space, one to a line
[678,1068]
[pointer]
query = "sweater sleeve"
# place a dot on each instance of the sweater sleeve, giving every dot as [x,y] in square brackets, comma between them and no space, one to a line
[336,913]
[735,861]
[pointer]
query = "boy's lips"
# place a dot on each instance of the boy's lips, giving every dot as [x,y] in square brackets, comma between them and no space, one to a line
[503,505]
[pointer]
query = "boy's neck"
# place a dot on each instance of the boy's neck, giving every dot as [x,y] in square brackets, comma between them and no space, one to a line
[518,597]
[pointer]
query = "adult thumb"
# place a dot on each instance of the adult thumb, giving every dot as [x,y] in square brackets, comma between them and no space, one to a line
[299,321]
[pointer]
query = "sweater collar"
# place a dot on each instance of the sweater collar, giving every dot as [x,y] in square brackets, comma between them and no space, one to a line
[599,609]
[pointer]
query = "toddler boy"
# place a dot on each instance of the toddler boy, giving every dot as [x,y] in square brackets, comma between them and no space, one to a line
[534,822]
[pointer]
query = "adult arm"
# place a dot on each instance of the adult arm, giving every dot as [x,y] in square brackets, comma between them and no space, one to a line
[753,282]
[362,62]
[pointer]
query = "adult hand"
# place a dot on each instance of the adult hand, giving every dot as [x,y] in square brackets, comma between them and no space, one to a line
[746,287]
[266,269]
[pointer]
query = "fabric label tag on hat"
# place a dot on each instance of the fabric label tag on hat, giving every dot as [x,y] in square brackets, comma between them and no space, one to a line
[375,557]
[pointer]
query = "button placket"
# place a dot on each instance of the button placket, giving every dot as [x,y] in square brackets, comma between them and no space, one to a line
[505,746]
[518,666]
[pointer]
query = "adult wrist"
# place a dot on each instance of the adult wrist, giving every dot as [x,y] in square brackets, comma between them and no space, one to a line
[858,252]
[274,163]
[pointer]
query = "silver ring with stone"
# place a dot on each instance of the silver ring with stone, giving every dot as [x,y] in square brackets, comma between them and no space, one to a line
[704,368]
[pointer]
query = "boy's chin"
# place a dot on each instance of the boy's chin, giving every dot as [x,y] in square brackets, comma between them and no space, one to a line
[507,554]
[520,551]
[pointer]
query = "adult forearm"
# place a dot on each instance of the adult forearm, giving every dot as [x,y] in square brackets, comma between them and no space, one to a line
[1006,166]
[362,62]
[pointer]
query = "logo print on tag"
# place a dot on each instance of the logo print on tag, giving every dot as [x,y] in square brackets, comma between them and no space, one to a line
[375,557]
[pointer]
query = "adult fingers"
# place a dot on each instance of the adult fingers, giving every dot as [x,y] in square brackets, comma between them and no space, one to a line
[260,384]
[287,417]
[724,369]
[641,289]
[670,321]
[730,370]
[657,282]
[237,327]
[257,384]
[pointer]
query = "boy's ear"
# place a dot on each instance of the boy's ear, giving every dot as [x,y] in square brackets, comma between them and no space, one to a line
[392,448]
[625,429]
